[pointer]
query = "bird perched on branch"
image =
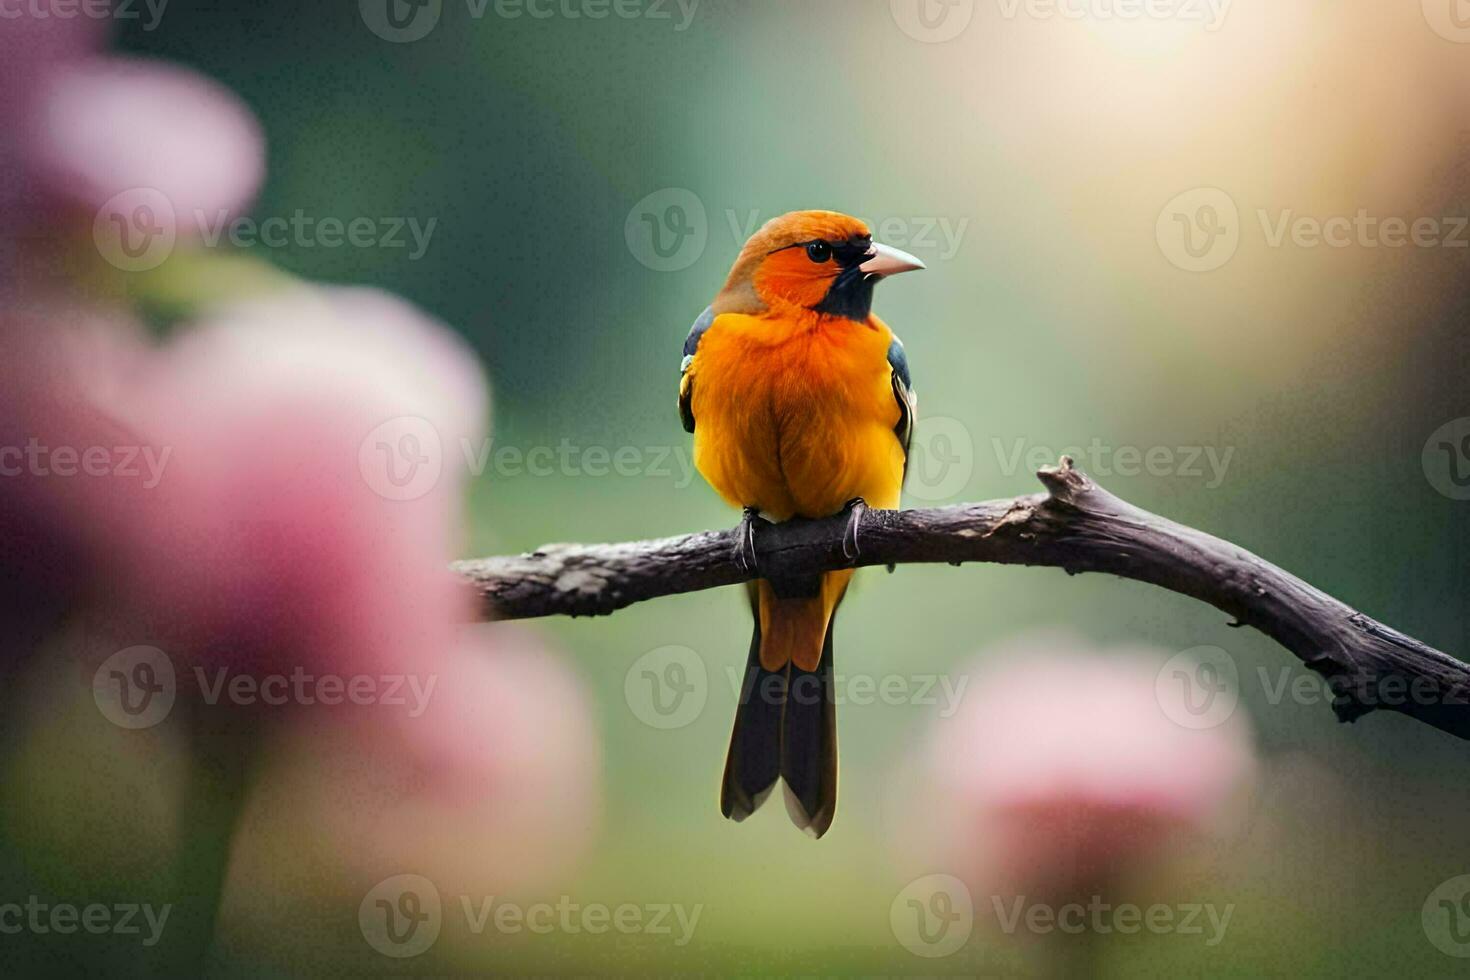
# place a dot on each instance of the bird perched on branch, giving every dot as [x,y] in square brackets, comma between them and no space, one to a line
[801,406]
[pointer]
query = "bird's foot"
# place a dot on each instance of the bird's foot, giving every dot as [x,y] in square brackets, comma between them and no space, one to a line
[854,508]
[745,555]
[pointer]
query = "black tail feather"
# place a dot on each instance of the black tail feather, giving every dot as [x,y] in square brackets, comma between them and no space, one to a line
[809,744]
[754,760]
[785,726]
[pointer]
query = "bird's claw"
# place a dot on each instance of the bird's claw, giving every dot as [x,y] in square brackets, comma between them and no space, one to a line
[745,555]
[855,508]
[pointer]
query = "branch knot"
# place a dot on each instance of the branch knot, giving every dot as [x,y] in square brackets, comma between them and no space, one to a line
[1064,482]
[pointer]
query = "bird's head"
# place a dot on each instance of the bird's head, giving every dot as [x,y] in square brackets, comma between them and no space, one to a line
[812,260]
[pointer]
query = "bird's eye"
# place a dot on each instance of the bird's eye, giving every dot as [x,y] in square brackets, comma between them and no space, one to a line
[818,251]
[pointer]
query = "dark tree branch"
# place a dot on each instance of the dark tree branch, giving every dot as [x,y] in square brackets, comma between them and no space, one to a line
[1075,525]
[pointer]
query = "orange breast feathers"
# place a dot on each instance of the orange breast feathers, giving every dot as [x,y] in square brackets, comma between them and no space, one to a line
[796,413]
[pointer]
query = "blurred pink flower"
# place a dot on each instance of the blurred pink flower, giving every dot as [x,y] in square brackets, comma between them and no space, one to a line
[109,125]
[34,45]
[1063,772]
[354,345]
[269,541]
[294,502]
[267,538]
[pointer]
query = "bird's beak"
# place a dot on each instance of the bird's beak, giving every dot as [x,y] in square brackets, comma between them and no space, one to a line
[885,260]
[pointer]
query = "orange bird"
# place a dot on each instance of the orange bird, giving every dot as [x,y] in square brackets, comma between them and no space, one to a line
[800,404]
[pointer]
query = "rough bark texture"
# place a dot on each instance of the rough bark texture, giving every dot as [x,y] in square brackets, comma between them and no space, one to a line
[1075,525]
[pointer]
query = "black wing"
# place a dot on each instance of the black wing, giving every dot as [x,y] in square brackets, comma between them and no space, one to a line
[903,393]
[686,380]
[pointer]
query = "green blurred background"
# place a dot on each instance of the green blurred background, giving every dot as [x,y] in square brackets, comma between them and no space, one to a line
[1052,316]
